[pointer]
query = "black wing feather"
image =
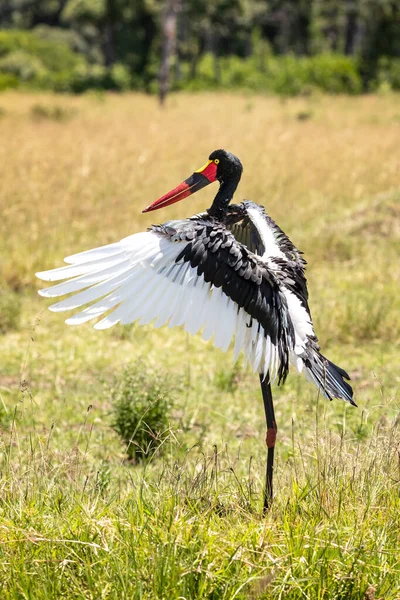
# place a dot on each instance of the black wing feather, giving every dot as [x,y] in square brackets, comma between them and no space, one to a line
[291,269]
[223,261]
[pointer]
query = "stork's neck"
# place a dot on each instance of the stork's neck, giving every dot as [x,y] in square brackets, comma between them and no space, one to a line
[221,201]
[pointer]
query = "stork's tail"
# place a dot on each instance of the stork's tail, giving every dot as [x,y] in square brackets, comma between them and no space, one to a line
[328,377]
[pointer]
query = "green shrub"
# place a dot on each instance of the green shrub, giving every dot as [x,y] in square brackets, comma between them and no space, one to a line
[91,77]
[23,66]
[120,77]
[84,10]
[10,310]
[39,63]
[389,73]
[335,74]
[284,75]
[291,76]
[54,56]
[8,81]
[141,402]
[58,82]
[245,74]
[287,76]
[45,60]
[68,37]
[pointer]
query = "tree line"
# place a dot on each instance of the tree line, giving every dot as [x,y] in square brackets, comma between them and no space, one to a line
[162,39]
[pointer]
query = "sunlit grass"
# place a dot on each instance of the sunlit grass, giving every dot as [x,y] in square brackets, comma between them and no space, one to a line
[77,520]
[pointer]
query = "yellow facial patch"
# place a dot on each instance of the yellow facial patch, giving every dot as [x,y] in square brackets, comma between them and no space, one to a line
[204,167]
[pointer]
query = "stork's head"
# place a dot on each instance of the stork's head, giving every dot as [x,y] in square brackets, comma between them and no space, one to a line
[221,166]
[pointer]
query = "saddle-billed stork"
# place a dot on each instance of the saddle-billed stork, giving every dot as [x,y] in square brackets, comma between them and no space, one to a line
[230,272]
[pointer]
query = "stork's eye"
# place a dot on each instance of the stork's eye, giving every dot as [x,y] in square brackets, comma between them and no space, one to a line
[216,161]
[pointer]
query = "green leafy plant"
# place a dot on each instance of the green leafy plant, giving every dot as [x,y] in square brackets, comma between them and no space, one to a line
[141,401]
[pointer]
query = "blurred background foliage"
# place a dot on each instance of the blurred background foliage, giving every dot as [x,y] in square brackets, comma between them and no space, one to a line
[289,47]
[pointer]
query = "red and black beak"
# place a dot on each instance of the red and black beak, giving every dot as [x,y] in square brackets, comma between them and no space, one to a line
[194,183]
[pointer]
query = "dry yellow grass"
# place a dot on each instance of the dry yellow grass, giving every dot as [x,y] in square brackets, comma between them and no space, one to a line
[83,181]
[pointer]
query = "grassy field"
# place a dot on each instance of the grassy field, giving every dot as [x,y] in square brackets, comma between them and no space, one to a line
[76,519]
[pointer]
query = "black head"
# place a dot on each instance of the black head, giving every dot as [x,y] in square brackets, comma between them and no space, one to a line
[229,167]
[222,166]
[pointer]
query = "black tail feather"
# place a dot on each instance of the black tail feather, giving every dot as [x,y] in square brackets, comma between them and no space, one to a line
[329,378]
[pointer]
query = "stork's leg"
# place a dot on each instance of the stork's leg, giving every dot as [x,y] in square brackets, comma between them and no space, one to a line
[270,438]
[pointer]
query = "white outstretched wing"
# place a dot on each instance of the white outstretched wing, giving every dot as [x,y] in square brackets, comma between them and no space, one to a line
[139,278]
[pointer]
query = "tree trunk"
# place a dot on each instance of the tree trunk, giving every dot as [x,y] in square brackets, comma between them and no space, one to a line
[194,62]
[285,27]
[217,65]
[108,44]
[354,29]
[180,33]
[146,24]
[168,45]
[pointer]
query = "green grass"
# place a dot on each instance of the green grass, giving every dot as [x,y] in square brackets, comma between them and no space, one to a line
[77,520]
